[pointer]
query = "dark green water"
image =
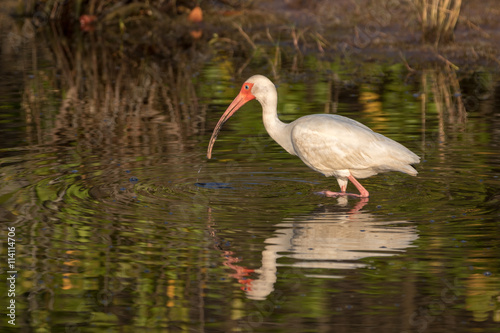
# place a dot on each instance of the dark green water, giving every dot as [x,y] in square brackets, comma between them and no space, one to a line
[123,225]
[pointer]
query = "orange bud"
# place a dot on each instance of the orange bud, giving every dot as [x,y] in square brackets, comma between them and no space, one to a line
[196,15]
[196,34]
[87,22]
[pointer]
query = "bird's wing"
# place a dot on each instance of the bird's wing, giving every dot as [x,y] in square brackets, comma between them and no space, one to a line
[331,142]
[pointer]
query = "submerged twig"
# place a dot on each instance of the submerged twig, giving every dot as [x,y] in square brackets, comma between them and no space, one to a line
[405,62]
[245,35]
[449,63]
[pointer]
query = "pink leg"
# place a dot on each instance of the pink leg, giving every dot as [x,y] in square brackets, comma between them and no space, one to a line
[334,194]
[363,193]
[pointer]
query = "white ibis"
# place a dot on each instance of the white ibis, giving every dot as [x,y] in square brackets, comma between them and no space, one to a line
[330,144]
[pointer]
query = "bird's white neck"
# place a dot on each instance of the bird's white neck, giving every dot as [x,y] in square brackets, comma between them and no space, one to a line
[278,130]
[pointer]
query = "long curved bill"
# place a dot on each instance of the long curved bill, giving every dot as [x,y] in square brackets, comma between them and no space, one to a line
[243,97]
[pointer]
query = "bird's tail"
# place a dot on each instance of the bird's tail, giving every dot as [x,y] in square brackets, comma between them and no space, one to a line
[408,169]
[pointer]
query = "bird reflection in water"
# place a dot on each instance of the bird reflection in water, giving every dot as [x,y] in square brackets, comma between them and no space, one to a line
[328,239]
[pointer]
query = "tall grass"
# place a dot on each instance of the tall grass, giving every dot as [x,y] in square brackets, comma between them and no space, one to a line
[438,19]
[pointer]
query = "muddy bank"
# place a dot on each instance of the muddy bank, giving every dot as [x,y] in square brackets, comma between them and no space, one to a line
[381,30]
[276,31]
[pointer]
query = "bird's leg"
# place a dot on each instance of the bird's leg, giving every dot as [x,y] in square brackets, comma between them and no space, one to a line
[363,193]
[343,186]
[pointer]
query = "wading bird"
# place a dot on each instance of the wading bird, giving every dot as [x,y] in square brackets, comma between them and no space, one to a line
[330,144]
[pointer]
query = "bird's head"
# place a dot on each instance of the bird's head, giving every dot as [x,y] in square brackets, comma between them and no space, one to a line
[260,87]
[256,87]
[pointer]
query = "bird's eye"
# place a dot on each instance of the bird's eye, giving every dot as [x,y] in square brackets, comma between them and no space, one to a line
[246,86]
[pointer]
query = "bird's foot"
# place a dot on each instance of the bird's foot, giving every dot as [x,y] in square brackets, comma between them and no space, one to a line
[338,194]
[331,194]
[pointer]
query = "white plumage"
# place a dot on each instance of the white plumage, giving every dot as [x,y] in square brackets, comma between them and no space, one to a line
[330,144]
